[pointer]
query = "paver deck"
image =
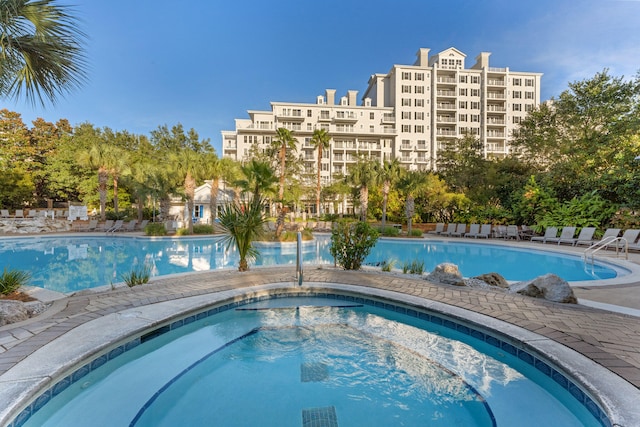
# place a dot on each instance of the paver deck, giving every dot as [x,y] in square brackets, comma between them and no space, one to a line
[610,339]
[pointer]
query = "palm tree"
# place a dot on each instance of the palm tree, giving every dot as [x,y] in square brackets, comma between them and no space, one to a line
[97,157]
[363,175]
[320,140]
[259,179]
[41,50]
[188,164]
[283,142]
[117,162]
[243,223]
[412,183]
[389,173]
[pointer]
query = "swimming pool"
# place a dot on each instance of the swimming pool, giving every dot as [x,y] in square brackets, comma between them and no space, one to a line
[341,360]
[68,264]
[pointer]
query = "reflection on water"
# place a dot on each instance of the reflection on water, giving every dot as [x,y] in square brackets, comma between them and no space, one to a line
[71,264]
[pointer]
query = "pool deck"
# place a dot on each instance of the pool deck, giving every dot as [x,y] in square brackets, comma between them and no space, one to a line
[609,338]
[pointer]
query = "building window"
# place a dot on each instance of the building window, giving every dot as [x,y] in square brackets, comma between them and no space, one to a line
[517,94]
[198,211]
[528,108]
[406,128]
[475,118]
[372,116]
[528,95]
[406,102]
[419,76]
[419,129]
[406,115]
[308,113]
[463,92]
[475,105]
[419,115]
[463,79]
[324,114]
[475,80]
[419,89]
[528,82]
[462,117]
[516,119]
[475,92]
[517,107]
[372,129]
[309,126]
[406,75]
[419,102]
[462,104]
[406,89]
[517,82]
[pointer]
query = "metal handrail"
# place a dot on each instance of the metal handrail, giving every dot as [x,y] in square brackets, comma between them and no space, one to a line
[299,270]
[604,243]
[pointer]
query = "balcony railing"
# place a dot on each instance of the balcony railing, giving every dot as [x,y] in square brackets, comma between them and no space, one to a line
[446,93]
[443,132]
[445,119]
[446,106]
[496,108]
[446,80]
[494,95]
[495,82]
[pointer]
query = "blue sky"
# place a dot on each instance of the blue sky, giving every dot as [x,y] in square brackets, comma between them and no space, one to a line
[204,63]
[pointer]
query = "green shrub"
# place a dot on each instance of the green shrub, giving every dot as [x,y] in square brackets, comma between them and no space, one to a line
[202,229]
[11,280]
[351,242]
[137,276]
[413,267]
[155,229]
[388,265]
[416,232]
[182,232]
[389,231]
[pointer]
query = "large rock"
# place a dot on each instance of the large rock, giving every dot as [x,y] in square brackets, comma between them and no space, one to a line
[12,311]
[493,279]
[549,287]
[447,274]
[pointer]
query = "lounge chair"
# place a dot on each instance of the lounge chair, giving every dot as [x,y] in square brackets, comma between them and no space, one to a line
[585,236]
[451,228]
[130,226]
[91,226]
[4,213]
[500,231]
[629,238]
[439,229]
[460,230]
[485,231]
[474,229]
[610,234]
[116,226]
[104,227]
[142,225]
[549,233]
[19,213]
[566,234]
[512,232]
[32,213]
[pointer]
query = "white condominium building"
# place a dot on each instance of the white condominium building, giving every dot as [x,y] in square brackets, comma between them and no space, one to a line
[409,113]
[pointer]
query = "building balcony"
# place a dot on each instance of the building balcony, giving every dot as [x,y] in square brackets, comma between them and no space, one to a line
[496,108]
[495,82]
[290,117]
[495,95]
[446,106]
[324,117]
[421,147]
[345,117]
[406,147]
[445,132]
[445,119]
[388,118]
[491,134]
[447,93]
[389,130]
[495,121]
[446,80]
[422,159]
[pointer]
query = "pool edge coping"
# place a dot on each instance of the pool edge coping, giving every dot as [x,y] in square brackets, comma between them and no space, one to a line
[27,380]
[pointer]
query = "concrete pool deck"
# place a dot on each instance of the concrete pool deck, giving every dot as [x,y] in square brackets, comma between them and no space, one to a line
[611,339]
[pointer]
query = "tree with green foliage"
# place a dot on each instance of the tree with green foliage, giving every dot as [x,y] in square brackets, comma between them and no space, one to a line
[41,50]
[411,184]
[351,242]
[243,223]
[188,166]
[320,141]
[389,173]
[98,157]
[258,179]
[363,175]
[462,165]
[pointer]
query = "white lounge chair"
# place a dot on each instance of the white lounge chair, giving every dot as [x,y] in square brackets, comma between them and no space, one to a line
[549,233]
[439,229]
[485,231]
[4,213]
[610,234]
[142,225]
[116,226]
[130,226]
[474,229]
[585,236]
[567,234]
[512,232]
[460,230]
[451,228]
[629,238]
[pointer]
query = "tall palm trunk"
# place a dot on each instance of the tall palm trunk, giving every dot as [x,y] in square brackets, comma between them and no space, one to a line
[318,181]
[115,193]
[190,190]
[364,202]
[386,186]
[213,200]
[103,176]
[409,211]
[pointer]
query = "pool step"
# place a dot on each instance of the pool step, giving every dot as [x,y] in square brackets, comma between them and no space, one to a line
[320,417]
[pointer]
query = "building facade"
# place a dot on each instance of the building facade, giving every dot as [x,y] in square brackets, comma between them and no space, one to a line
[409,113]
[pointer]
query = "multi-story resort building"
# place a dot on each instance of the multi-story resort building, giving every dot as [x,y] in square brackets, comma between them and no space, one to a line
[409,113]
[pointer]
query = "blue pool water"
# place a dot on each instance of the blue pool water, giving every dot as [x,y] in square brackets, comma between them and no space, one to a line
[67,264]
[283,362]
